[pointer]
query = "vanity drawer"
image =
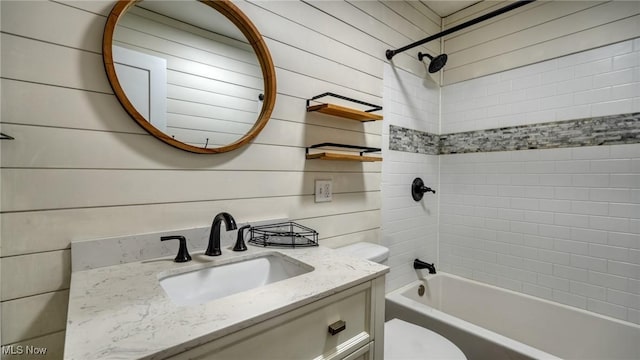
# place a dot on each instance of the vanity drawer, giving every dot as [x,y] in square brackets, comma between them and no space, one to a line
[302,333]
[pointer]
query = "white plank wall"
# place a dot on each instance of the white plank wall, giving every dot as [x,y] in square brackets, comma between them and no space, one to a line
[535,32]
[80,168]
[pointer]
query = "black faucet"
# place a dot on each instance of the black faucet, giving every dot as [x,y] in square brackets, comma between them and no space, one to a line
[417,264]
[213,249]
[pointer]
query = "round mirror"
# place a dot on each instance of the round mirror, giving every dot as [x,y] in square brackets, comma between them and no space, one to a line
[195,74]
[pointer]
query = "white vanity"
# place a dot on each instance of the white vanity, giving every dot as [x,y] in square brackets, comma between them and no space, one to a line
[122,311]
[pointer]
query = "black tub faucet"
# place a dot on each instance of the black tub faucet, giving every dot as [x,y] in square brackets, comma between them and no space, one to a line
[417,264]
[213,249]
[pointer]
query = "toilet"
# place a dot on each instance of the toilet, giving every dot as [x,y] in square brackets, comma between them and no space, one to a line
[403,340]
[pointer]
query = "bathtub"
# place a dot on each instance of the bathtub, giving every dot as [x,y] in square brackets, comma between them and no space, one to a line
[488,322]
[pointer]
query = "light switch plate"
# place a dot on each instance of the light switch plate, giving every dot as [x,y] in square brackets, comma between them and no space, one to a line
[324,190]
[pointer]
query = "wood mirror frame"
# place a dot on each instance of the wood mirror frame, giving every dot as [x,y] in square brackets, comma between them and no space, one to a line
[237,17]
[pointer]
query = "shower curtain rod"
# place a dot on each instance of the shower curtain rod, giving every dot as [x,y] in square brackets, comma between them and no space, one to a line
[515,5]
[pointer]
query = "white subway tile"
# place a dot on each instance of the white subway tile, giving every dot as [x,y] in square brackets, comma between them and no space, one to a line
[540,192]
[611,166]
[626,91]
[557,75]
[572,166]
[571,273]
[625,210]
[592,96]
[539,242]
[609,252]
[571,85]
[593,67]
[571,220]
[633,286]
[553,282]
[613,78]
[590,291]
[607,280]
[605,308]
[587,262]
[539,217]
[570,299]
[591,152]
[555,102]
[612,107]
[623,269]
[554,257]
[595,54]
[612,195]
[526,82]
[555,205]
[589,235]
[609,223]
[571,247]
[536,290]
[590,180]
[626,60]
[633,316]
[625,180]
[524,227]
[624,240]
[573,112]
[625,151]
[559,232]
[555,154]
[555,179]
[623,298]
[590,208]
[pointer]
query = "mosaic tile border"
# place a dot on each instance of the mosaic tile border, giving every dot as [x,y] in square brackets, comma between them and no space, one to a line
[408,140]
[603,130]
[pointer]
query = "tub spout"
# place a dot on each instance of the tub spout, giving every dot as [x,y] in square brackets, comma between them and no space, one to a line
[417,264]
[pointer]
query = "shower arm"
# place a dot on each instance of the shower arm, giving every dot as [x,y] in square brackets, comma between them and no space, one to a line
[391,53]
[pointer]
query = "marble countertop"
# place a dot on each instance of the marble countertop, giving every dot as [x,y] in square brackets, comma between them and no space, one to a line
[122,312]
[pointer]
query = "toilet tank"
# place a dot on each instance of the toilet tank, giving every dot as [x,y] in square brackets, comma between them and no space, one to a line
[366,250]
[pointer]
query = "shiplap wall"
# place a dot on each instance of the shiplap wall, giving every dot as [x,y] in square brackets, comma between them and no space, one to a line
[80,168]
[213,82]
[538,31]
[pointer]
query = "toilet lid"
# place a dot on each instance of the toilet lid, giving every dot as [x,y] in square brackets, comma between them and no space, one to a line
[403,341]
[365,250]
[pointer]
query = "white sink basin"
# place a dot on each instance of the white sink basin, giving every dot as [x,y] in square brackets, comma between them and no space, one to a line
[203,285]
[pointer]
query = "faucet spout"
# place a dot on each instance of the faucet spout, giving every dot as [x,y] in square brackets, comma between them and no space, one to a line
[418,264]
[213,249]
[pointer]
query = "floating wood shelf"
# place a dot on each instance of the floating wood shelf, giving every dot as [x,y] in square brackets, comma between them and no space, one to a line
[345,112]
[344,157]
[327,155]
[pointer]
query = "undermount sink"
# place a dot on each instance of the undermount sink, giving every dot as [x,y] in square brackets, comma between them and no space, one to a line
[207,284]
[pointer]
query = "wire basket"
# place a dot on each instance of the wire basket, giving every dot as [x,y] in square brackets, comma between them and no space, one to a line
[286,234]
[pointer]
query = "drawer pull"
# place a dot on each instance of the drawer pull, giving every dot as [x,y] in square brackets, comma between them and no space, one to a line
[337,326]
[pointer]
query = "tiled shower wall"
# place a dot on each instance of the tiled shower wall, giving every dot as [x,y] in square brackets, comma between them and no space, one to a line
[561,224]
[409,228]
[602,81]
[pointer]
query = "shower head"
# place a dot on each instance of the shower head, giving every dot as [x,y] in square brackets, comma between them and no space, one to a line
[436,64]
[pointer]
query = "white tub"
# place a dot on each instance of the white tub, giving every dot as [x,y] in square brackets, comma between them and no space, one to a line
[488,322]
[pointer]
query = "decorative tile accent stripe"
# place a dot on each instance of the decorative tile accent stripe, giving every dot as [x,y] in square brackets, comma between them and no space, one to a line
[604,130]
[415,141]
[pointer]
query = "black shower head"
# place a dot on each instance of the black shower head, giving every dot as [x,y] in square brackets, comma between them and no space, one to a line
[436,64]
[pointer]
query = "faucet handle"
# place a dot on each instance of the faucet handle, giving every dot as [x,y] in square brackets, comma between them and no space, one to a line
[183,253]
[240,246]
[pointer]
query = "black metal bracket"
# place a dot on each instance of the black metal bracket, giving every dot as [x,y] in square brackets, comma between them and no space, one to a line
[361,149]
[4,136]
[374,107]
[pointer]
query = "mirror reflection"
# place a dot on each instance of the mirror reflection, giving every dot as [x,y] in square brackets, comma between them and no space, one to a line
[188,71]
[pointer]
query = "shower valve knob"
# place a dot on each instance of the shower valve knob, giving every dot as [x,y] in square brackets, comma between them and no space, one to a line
[418,189]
